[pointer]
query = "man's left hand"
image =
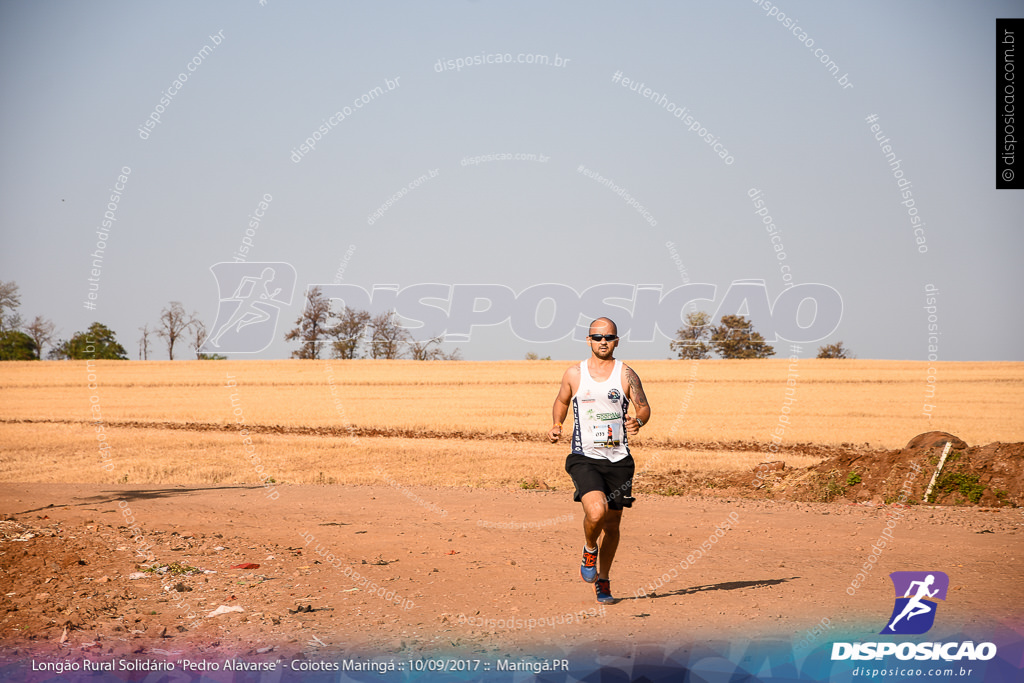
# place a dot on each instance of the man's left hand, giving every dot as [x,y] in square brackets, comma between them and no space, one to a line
[632,426]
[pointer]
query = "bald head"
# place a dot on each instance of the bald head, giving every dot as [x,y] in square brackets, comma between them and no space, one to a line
[603,326]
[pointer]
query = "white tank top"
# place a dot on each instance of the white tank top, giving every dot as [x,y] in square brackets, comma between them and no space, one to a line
[599,411]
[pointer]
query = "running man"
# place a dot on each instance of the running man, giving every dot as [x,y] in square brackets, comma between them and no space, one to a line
[251,307]
[915,605]
[600,390]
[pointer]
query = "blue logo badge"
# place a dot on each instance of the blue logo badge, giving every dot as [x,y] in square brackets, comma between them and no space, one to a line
[916,595]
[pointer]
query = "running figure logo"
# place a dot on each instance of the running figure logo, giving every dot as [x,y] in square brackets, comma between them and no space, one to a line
[251,297]
[916,595]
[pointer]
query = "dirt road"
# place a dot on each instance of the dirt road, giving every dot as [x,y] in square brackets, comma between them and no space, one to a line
[413,570]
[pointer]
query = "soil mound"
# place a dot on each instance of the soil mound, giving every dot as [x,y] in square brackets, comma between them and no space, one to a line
[988,476]
[932,439]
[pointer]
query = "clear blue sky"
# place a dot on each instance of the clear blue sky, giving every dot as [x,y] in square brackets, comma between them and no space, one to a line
[79,79]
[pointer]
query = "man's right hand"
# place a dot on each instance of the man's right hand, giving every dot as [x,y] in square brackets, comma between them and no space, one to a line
[556,431]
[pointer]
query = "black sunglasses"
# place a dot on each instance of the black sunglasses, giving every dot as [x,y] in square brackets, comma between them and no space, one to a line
[599,337]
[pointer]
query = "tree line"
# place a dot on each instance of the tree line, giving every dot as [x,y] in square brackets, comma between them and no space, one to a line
[26,341]
[733,338]
[345,334]
[352,333]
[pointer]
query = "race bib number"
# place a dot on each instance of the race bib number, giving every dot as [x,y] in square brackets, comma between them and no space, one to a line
[607,435]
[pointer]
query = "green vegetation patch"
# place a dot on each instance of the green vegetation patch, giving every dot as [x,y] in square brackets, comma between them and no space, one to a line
[958,482]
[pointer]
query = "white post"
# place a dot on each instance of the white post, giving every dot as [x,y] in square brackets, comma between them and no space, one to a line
[945,452]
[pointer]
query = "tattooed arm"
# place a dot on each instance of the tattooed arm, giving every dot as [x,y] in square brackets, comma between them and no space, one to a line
[635,393]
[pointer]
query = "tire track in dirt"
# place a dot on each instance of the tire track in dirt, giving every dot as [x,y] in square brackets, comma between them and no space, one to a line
[810,449]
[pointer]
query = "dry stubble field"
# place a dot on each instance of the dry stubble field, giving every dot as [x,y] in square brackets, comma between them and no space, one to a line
[478,424]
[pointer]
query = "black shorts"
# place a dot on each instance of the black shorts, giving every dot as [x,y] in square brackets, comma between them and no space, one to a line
[614,479]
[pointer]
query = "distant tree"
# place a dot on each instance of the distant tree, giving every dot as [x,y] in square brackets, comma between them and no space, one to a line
[58,351]
[735,338]
[387,336]
[174,324]
[312,326]
[836,350]
[420,350]
[41,331]
[348,332]
[532,355]
[455,354]
[691,342]
[198,336]
[98,342]
[144,342]
[16,345]
[430,349]
[10,299]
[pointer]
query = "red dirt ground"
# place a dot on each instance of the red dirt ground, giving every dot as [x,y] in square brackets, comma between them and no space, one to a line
[474,576]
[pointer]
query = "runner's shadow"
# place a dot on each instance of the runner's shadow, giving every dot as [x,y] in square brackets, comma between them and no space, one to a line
[724,586]
[144,494]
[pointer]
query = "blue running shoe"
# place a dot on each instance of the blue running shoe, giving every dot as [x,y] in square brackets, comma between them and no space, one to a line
[604,591]
[588,568]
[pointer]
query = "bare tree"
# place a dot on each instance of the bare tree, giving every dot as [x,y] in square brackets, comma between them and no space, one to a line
[312,326]
[421,350]
[455,354]
[144,342]
[41,331]
[10,299]
[199,332]
[387,336]
[174,324]
[349,332]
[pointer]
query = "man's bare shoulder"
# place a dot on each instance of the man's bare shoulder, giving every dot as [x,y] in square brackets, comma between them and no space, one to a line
[571,377]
